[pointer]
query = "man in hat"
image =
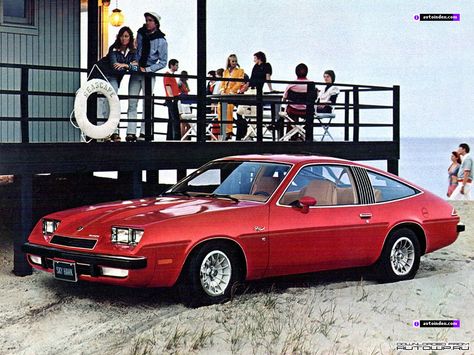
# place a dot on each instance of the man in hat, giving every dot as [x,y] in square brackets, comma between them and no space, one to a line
[152,51]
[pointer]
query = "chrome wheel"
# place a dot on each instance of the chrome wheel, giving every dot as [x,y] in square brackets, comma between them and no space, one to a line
[402,256]
[215,273]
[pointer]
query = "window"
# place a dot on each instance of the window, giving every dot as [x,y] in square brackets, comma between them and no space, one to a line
[18,12]
[249,180]
[329,184]
[387,189]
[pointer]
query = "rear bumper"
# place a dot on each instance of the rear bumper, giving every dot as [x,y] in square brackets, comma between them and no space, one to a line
[460,228]
[119,262]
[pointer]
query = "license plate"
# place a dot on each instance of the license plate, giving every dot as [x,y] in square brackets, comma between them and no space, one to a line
[65,271]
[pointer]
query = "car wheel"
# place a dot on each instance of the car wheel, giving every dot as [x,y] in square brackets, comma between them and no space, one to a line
[210,275]
[400,257]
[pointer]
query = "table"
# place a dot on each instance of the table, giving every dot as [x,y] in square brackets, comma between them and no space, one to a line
[274,99]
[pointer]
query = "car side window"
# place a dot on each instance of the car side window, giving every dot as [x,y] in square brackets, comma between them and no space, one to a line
[387,189]
[330,185]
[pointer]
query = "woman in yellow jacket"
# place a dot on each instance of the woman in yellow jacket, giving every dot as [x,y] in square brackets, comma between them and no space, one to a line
[230,87]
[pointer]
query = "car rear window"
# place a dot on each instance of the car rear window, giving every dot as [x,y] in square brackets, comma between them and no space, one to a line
[388,189]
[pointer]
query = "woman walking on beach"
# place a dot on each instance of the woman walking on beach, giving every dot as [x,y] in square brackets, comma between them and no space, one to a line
[453,172]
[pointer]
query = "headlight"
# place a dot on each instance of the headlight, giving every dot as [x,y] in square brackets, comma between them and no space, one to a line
[123,235]
[50,226]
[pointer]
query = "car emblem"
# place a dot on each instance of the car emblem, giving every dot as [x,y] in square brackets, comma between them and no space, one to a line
[80,228]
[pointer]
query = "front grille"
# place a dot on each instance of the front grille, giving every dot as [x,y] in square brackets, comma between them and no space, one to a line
[74,242]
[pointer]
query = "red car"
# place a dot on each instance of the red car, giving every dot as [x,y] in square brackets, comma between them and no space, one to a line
[245,218]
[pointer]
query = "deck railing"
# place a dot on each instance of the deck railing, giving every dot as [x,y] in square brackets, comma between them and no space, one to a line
[349,106]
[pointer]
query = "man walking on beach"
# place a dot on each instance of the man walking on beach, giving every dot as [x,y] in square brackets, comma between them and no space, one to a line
[463,190]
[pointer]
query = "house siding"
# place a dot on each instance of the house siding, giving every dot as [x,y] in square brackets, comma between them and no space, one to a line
[56,43]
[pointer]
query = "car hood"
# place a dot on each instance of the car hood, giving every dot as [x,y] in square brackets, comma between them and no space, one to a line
[142,212]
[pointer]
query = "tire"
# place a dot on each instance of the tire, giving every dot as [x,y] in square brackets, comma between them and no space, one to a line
[400,257]
[210,275]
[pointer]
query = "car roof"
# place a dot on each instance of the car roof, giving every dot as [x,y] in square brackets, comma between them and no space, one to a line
[303,159]
[287,158]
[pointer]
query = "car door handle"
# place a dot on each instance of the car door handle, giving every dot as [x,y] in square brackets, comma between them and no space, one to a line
[365,215]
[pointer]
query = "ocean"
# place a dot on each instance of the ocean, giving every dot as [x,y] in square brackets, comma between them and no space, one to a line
[425,161]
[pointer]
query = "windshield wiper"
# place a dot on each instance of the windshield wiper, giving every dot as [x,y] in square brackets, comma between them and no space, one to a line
[174,193]
[219,196]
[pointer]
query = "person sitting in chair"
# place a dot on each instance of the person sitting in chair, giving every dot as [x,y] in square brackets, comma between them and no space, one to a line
[296,92]
[329,94]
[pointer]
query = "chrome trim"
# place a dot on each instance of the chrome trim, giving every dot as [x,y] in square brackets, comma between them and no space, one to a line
[215,273]
[402,256]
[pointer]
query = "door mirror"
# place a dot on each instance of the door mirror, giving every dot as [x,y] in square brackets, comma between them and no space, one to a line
[306,202]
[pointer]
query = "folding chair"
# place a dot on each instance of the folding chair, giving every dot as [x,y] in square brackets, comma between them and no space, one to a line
[297,128]
[186,114]
[252,127]
[325,120]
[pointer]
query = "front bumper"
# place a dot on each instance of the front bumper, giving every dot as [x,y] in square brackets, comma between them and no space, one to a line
[460,228]
[94,260]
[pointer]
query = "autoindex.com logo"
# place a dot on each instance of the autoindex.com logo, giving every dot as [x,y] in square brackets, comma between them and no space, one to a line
[437,17]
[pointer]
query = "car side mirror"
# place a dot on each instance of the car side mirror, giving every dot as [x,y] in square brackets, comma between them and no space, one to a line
[306,202]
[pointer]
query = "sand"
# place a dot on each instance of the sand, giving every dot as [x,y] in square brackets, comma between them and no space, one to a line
[325,313]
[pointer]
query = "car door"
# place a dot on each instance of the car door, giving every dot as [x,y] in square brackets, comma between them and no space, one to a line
[334,233]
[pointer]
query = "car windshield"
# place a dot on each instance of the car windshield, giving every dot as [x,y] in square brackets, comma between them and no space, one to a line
[236,180]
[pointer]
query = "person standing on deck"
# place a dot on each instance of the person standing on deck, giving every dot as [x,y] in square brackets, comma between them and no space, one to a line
[152,50]
[233,71]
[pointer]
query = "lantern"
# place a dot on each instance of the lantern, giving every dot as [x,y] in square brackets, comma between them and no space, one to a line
[116,18]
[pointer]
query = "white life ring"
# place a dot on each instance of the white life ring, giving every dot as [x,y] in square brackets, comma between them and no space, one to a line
[80,109]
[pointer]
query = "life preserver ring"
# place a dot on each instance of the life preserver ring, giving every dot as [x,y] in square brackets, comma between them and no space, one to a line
[80,109]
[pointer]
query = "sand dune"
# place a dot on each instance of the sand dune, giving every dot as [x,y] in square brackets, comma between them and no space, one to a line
[326,313]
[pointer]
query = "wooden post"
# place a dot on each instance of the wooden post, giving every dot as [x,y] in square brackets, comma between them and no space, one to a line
[20,265]
[259,113]
[346,115]
[132,182]
[92,52]
[356,114]
[25,134]
[392,164]
[396,114]
[310,101]
[148,107]
[201,70]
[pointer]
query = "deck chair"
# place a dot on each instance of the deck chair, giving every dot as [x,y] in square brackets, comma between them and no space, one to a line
[296,128]
[325,120]
[252,127]
[186,113]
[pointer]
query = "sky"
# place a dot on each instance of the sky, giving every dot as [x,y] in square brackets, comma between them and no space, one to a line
[363,41]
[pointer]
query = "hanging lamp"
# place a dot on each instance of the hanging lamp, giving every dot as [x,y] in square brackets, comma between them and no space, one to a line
[116,18]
